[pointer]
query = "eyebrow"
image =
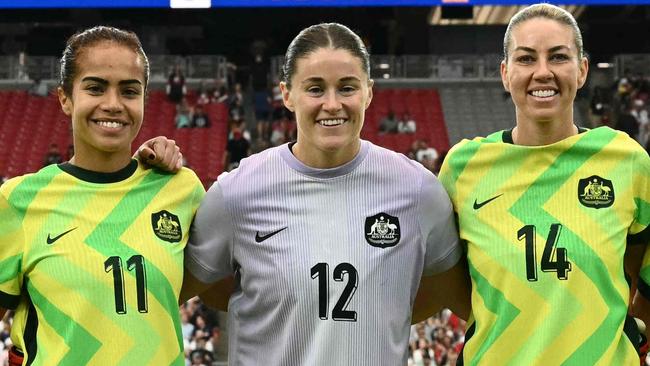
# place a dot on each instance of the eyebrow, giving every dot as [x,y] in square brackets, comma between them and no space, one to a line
[104,82]
[316,79]
[532,50]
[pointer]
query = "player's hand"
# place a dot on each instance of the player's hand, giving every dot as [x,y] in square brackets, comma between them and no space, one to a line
[162,153]
[643,341]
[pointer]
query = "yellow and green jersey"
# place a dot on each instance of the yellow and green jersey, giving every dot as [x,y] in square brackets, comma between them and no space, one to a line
[94,263]
[546,229]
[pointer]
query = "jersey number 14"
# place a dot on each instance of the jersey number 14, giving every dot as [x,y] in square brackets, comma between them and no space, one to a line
[560,265]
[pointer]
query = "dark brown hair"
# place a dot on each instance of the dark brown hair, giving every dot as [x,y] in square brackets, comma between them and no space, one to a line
[90,37]
[324,35]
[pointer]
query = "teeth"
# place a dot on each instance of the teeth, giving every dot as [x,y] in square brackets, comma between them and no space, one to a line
[543,93]
[331,122]
[109,124]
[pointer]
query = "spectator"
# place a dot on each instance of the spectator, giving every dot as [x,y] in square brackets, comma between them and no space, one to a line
[220,93]
[641,114]
[598,107]
[237,148]
[388,124]
[183,117]
[426,155]
[176,88]
[200,118]
[39,88]
[278,132]
[627,123]
[236,104]
[278,110]
[238,126]
[406,124]
[53,155]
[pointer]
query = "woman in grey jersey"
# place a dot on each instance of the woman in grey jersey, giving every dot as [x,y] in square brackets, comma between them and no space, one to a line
[326,239]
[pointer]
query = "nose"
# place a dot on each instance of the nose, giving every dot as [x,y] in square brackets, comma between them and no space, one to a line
[112,102]
[543,71]
[331,102]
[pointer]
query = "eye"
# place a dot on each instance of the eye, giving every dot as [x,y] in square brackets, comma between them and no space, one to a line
[131,92]
[525,59]
[315,90]
[94,89]
[348,89]
[559,57]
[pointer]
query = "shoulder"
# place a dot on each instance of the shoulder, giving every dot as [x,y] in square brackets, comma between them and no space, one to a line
[397,160]
[31,182]
[256,165]
[464,149]
[606,138]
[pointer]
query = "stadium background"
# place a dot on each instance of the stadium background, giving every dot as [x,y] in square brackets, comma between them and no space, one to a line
[437,63]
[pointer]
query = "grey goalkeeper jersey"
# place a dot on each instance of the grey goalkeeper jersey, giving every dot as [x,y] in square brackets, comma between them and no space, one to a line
[327,261]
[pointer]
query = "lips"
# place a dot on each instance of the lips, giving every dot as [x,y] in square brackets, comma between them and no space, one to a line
[543,93]
[109,123]
[331,122]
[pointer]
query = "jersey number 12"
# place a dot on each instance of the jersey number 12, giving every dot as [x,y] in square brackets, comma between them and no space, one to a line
[321,271]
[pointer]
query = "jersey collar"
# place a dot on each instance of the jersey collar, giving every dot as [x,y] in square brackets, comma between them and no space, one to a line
[99,177]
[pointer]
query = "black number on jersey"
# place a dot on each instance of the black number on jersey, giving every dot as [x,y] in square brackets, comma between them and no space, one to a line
[339,313]
[561,266]
[135,263]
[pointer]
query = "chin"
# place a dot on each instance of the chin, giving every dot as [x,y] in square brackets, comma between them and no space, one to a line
[333,143]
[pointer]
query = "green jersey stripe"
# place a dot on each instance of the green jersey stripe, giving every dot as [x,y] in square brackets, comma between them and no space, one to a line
[62,324]
[12,262]
[33,183]
[496,303]
[126,212]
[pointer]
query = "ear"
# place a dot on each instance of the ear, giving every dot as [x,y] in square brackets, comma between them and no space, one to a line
[66,102]
[371,82]
[504,76]
[284,88]
[582,72]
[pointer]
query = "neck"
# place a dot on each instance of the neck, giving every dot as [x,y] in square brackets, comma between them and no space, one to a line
[101,162]
[320,159]
[542,133]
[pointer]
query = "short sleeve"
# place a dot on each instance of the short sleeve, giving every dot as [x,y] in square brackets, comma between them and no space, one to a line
[208,255]
[443,250]
[639,231]
[11,255]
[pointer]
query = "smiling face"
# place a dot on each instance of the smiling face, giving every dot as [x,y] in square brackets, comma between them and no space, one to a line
[543,72]
[106,105]
[329,95]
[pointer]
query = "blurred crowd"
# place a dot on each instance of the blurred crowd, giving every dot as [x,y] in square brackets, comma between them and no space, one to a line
[434,342]
[624,106]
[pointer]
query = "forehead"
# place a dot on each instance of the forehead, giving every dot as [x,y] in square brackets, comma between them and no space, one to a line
[542,33]
[109,61]
[327,63]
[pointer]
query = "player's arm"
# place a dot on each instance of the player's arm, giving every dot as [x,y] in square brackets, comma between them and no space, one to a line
[635,255]
[209,266]
[162,153]
[450,289]
[2,313]
[632,263]
[215,295]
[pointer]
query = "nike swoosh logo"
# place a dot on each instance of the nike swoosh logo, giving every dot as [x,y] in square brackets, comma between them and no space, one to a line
[479,205]
[260,238]
[51,241]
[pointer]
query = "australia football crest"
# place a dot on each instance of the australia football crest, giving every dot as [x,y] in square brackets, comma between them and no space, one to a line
[166,226]
[596,192]
[382,230]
